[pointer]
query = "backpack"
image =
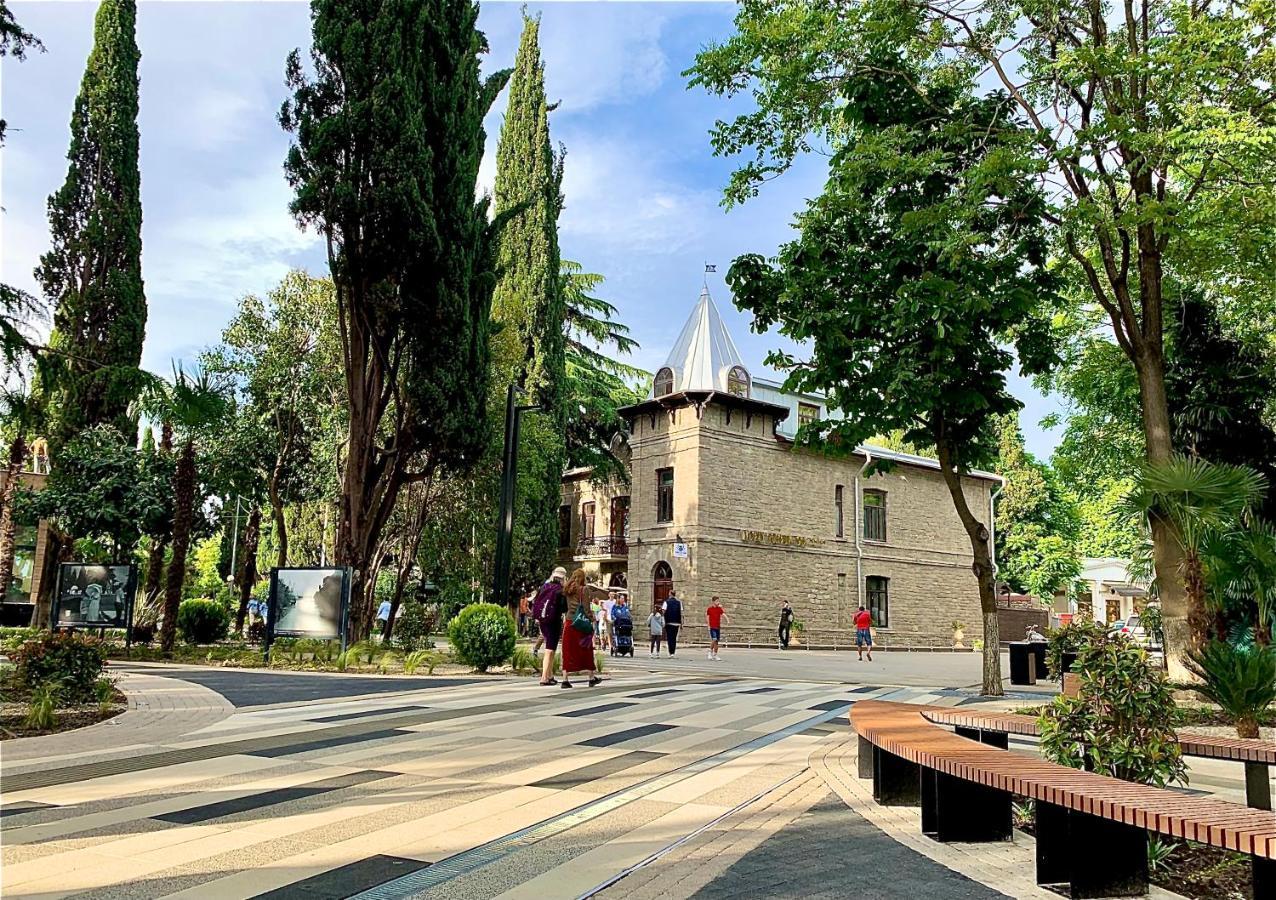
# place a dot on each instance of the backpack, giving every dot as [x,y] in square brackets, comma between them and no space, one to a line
[545,607]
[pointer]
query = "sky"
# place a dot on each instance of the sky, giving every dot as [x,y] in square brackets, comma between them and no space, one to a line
[643,188]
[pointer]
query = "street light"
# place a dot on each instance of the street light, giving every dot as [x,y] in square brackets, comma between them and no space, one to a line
[509,477]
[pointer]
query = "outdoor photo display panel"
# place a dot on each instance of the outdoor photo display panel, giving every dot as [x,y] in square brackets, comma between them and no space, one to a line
[309,603]
[91,596]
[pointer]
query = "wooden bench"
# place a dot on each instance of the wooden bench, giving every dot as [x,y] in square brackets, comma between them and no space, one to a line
[1258,756]
[1091,830]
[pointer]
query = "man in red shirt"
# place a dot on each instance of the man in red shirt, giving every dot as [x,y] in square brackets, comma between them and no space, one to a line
[864,632]
[714,615]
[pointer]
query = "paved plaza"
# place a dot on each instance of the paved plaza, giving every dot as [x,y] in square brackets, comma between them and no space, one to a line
[222,783]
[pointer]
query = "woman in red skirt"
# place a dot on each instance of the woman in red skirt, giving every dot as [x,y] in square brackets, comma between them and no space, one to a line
[578,646]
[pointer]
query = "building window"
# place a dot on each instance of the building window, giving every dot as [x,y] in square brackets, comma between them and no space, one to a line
[738,382]
[564,526]
[620,517]
[875,516]
[24,540]
[837,512]
[587,521]
[664,382]
[664,495]
[807,414]
[877,593]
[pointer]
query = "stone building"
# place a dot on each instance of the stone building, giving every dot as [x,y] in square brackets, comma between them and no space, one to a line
[721,502]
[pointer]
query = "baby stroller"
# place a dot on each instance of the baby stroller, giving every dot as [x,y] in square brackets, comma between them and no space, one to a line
[623,627]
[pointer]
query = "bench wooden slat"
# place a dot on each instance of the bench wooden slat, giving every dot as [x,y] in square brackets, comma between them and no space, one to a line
[910,732]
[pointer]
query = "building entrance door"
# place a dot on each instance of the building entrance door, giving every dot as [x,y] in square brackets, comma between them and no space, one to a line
[662,577]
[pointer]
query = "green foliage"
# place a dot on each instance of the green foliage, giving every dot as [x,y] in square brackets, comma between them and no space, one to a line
[396,101]
[1242,681]
[389,659]
[1153,624]
[92,271]
[13,638]
[72,662]
[482,635]
[42,710]
[600,660]
[528,348]
[208,580]
[202,621]
[418,658]
[523,661]
[1082,631]
[412,625]
[104,690]
[1122,722]
[1159,853]
[102,488]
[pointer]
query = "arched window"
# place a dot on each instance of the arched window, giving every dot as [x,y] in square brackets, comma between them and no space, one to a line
[661,583]
[738,382]
[664,382]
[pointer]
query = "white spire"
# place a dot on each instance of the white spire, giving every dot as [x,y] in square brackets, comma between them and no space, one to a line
[704,353]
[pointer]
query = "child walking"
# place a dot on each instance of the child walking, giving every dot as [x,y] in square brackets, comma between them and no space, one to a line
[656,625]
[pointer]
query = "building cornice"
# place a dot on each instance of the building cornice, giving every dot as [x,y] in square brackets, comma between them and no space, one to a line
[698,400]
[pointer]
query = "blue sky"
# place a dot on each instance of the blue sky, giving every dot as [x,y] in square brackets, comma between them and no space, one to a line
[642,186]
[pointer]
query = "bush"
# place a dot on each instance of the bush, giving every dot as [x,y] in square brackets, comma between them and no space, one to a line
[412,625]
[482,635]
[1122,722]
[202,621]
[13,638]
[1071,638]
[1242,681]
[70,662]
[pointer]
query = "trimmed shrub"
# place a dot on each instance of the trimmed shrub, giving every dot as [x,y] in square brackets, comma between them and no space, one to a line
[482,635]
[202,621]
[70,662]
[1121,723]
[412,625]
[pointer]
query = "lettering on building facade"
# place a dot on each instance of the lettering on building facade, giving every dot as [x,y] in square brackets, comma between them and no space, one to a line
[779,540]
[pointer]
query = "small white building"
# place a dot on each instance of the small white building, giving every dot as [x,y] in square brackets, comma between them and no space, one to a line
[1113,591]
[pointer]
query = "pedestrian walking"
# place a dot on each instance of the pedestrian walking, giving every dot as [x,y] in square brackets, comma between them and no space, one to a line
[715,615]
[656,627]
[548,610]
[864,632]
[786,624]
[673,621]
[602,629]
[525,612]
[383,617]
[578,631]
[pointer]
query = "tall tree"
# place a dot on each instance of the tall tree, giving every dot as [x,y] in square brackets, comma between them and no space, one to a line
[92,272]
[597,384]
[388,140]
[919,263]
[1146,117]
[528,305]
[194,404]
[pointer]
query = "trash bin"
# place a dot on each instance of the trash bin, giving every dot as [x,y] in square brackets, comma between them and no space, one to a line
[1023,669]
[1038,649]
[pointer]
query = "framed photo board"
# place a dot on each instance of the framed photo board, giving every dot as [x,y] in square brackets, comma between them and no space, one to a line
[308,603]
[94,596]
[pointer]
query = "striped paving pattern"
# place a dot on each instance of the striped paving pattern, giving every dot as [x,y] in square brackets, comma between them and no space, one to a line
[476,790]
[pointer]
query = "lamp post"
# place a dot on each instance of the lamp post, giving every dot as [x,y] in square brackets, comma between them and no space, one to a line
[509,477]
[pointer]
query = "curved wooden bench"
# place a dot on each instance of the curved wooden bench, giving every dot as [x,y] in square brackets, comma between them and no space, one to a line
[1257,755]
[965,789]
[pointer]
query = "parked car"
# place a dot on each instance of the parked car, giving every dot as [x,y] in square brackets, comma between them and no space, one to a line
[1134,630]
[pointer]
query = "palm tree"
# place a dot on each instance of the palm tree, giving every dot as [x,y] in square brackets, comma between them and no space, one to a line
[1240,566]
[1241,681]
[1198,500]
[191,405]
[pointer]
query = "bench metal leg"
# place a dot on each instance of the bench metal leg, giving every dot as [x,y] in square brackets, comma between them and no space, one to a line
[1068,843]
[966,811]
[896,781]
[1264,878]
[1258,789]
[991,738]
[930,804]
[1054,856]
[866,758]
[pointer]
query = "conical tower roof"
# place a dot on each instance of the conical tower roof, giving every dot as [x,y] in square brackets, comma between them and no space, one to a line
[704,353]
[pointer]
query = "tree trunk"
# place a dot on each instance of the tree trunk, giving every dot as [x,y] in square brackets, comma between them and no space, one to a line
[183,513]
[154,574]
[1167,553]
[8,526]
[277,511]
[247,574]
[982,567]
[1247,728]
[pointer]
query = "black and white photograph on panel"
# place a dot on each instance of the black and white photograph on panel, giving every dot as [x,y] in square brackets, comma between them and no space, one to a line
[308,603]
[93,596]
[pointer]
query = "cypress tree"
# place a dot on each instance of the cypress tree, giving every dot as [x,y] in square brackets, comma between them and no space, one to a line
[529,305]
[92,273]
